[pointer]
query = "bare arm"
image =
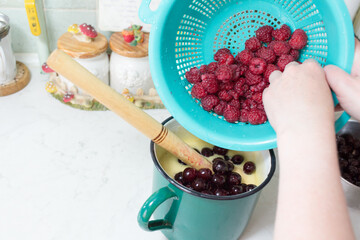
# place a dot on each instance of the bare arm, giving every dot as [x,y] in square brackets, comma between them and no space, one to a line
[311,204]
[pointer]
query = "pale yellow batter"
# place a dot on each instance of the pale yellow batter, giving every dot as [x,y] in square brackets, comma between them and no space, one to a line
[171,165]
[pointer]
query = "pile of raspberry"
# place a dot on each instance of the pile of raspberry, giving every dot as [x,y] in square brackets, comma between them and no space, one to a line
[232,86]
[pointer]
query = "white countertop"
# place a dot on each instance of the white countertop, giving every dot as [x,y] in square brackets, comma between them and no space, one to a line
[72,174]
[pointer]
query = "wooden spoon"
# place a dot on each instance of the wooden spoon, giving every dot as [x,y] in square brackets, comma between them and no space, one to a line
[72,70]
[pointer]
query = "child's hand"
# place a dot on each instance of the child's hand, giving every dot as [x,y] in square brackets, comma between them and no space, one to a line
[299,98]
[345,86]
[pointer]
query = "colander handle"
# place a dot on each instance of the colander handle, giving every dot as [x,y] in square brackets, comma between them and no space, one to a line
[146,14]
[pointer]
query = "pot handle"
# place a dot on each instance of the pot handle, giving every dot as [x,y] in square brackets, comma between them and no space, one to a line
[146,14]
[148,208]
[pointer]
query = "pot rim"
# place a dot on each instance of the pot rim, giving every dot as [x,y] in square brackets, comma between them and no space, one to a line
[211,197]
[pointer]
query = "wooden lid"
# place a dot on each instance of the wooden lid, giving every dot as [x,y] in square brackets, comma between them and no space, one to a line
[118,45]
[76,49]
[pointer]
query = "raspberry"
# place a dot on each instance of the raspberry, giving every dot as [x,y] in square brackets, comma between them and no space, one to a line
[256,117]
[235,103]
[240,82]
[193,75]
[244,115]
[238,85]
[283,61]
[248,104]
[257,66]
[220,52]
[224,73]
[264,33]
[267,54]
[227,86]
[209,102]
[259,87]
[203,69]
[260,106]
[219,109]
[225,96]
[257,97]
[211,68]
[253,44]
[270,68]
[252,79]
[282,34]
[244,57]
[271,45]
[243,69]
[298,39]
[237,72]
[198,91]
[241,89]
[281,48]
[295,54]
[234,93]
[226,59]
[210,83]
[231,114]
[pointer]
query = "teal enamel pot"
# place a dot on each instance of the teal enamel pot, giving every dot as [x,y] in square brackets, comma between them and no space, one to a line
[183,214]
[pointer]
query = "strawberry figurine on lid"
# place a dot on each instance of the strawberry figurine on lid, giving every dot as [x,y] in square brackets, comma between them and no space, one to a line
[133,35]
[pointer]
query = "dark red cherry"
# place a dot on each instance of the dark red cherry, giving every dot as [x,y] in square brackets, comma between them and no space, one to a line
[249,168]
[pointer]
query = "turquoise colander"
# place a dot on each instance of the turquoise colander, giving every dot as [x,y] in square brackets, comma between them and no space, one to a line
[187,33]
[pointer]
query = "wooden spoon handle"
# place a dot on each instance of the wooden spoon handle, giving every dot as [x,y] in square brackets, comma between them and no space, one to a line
[72,70]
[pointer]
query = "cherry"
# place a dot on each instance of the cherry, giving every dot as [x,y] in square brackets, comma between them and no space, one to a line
[234,179]
[218,180]
[179,177]
[220,151]
[230,166]
[237,190]
[249,168]
[205,174]
[220,166]
[207,152]
[237,159]
[189,174]
[220,192]
[198,184]
[250,187]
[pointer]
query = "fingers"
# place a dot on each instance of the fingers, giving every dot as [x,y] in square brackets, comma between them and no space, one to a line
[356,65]
[292,64]
[275,75]
[337,78]
[311,61]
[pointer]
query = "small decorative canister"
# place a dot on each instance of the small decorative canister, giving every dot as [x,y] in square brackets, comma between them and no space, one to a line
[14,76]
[88,48]
[7,59]
[129,67]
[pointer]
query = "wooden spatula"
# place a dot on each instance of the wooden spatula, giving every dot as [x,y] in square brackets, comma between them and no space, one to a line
[72,70]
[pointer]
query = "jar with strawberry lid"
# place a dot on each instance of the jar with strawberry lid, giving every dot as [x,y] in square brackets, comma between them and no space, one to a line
[130,69]
[88,48]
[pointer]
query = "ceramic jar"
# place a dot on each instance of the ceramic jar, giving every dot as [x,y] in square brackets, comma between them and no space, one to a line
[98,65]
[90,55]
[129,65]
[7,58]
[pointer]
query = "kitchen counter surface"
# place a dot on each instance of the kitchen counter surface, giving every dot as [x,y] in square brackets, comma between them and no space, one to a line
[72,174]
